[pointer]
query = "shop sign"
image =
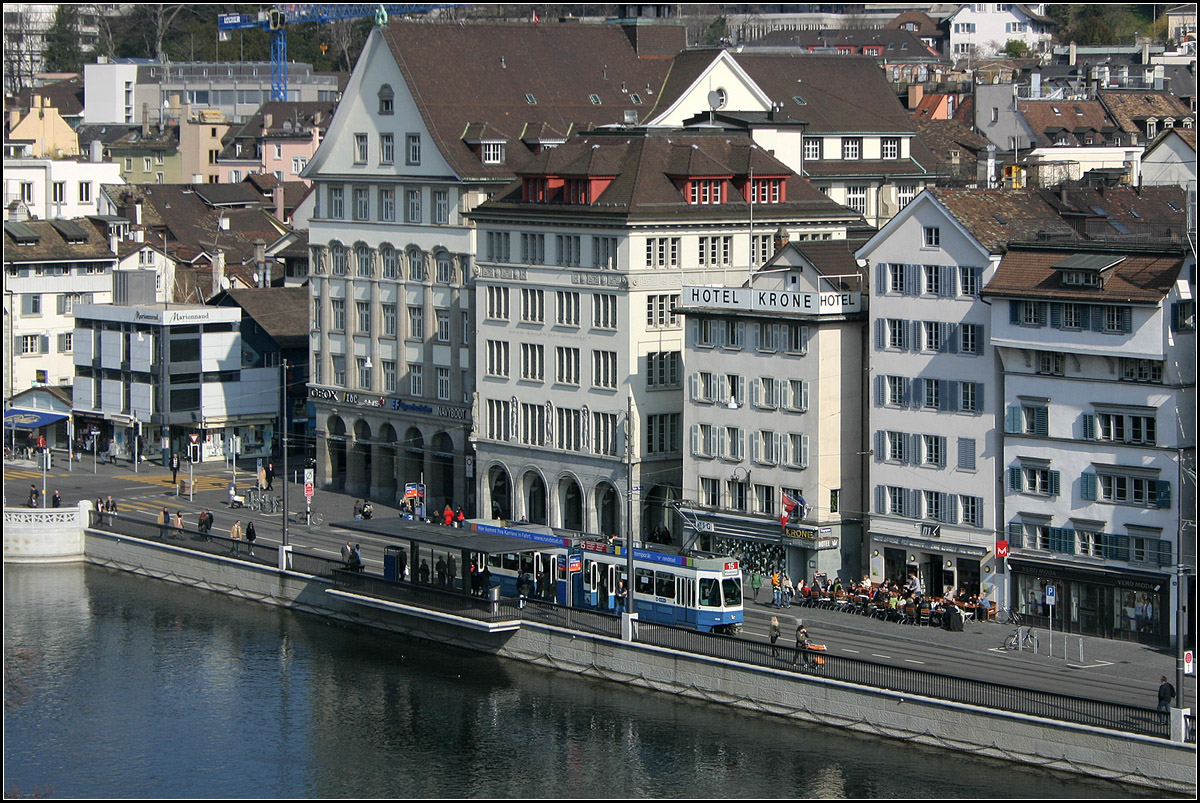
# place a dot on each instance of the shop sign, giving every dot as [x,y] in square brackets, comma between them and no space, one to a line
[771,301]
[931,531]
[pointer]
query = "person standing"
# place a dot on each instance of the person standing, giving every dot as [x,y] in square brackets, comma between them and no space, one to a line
[270,474]
[776,589]
[440,569]
[451,570]
[110,508]
[622,597]
[164,520]
[34,495]
[1166,693]
[802,642]
[347,548]
[179,524]
[423,572]
[403,561]
[460,517]
[522,589]
[250,536]
[235,535]
[356,561]
[774,635]
[756,583]
[175,468]
[448,516]
[788,591]
[56,501]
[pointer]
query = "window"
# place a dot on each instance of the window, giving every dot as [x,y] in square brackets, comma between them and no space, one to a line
[499,421]
[766,191]
[364,373]
[1135,487]
[416,266]
[416,323]
[414,207]
[662,369]
[897,388]
[604,310]
[416,379]
[387,148]
[604,433]
[1033,479]
[905,193]
[533,248]
[85,192]
[337,209]
[567,365]
[364,316]
[931,397]
[970,337]
[441,207]
[662,433]
[890,147]
[338,307]
[932,237]
[715,251]
[604,252]
[339,370]
[31,344]
[389,376]
[934,450]
[445,268]
[662,252]
[387,205]
[737,494]
[533,305]
[735,443]
[851,147]
[710,492]
[704,191]
[797,395]
[1139,370]
[362,209]
[412,150]
[660,310]
[604,369]
[760,249]
[933,280]
[31,304]
[812,148]
[567,308]
[856,199]
[1051,362]
[492,153]
[797,450]
[59,190]
[533,361]
[360,149]
[970,397]
[533,424]
[897,334]
[389,320]
[443,384]
[498,246]
[443,325]
[933,335]
[497,303]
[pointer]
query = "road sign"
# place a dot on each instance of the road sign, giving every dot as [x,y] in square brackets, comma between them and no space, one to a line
[1002,549]
[308,491]
[1189,666]
[195,436]
[1049,595]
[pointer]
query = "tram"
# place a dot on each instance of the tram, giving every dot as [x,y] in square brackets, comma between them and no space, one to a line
[673,586]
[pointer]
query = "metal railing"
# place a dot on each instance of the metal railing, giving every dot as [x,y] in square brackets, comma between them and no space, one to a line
[427,596]
[1060,707]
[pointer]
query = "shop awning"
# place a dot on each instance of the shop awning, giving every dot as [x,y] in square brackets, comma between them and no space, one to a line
[31,419]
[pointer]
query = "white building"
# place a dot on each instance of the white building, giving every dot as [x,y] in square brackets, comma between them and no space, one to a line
[983,29]
[773,413]
[50,268]
[579,331]
[57,188]
[1171,159]
[169,371]
[1097,345]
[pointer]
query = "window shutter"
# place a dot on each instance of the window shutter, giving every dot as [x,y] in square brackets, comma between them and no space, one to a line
[915,337]
[906,396]
[1054,483]
[1097,318]
[880,500]
[44,344]
[1014,312]
[950,392]
[804,340]
[881,285]
[696,440]
[979,398]
[1089,426]
[1164,553]
[880,334]
[741,334]
[1175,316]
[755,392]
[950,338]
[1014,479]
[1087,486]
[880,445]
[1012,419]
[950,508]
[1085,316]
[1162,494]
[949,283]
[941,451]
[966,453]
[1126,319]
[912,280]
[1056,315]
[1016,533]
[1040,421]
[741,443]
[804,395]
[804,451]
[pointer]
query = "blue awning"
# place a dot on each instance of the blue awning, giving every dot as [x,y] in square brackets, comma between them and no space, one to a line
[31,419]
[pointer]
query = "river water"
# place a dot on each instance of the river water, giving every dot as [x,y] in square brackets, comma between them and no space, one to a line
[123,686]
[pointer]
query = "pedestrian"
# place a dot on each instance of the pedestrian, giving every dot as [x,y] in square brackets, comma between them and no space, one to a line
[403,561]
[175,468]
[774,633]
[235,535]
[164,520]
[270,475]
[179,524]
[357,510]
[447,516]
[440,568]
[622,596]
[34,495]
[459,517]
[250,536]
[56,501]
[788,591]
[261,476]
[522,589]
[205,524]
[485,580]
[602,595]
[474,570]
[1166,693]
[347,548]
[756,583]
[367,510]
[423,572]
[776,590]
[356,561]
[802,642]
[451,570]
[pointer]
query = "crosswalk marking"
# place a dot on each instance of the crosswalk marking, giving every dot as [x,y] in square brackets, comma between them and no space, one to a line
[32,474]
[201,483]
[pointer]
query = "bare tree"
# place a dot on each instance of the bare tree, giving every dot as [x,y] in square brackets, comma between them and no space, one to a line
[161,15]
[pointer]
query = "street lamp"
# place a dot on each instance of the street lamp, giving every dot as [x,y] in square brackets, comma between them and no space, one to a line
[629,605]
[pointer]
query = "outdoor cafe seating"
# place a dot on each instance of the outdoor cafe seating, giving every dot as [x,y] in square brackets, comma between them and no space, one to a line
[878,603]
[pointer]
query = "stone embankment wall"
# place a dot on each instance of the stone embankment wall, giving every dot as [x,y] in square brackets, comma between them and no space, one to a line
[1155,763]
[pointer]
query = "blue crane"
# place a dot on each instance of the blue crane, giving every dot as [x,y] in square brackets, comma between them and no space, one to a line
[281,15]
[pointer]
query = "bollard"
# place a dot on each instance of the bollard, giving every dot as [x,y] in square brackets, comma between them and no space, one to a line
[1081,649]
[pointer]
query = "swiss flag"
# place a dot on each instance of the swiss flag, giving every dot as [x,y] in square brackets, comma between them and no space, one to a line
[794,509]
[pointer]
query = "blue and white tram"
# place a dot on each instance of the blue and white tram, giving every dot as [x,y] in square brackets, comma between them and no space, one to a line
[671,586]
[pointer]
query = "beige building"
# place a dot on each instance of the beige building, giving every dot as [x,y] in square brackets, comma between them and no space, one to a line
[49,134]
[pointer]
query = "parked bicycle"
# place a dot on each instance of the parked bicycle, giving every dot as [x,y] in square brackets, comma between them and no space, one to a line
[1008,616]
[306,517]
[1022,639]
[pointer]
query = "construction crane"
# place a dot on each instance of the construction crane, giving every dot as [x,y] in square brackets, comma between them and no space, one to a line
[281,15]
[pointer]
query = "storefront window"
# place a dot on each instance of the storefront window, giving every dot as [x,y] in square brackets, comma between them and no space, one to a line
[1095,608]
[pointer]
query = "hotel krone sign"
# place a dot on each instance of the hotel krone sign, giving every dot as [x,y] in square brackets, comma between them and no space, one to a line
[744,299]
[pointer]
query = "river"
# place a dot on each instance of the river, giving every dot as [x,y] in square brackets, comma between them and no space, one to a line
[122,686]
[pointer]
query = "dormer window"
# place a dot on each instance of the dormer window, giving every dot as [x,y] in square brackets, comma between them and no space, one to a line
[1151,128]
[1080,278]
[537,190]
[387,99]
[491,153]
[766,191]
[577,191]
[705,191]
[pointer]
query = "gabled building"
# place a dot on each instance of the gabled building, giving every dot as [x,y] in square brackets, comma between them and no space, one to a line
[832,119]
[578,325]
[420,139]
[1096,341]
[1171,159]
[279,140]
[983,29]
[1142,115]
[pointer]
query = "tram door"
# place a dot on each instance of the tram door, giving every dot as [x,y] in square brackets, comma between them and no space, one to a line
[543,575]
[591,583]
[610,599]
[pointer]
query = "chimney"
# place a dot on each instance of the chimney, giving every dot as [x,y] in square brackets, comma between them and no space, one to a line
[218,272]
[1146,52]
[268,119]
[1035,86]
[1073,54]
[137,212]
[781,238]
[14,117]
[145,119]
[277,197]
[915,93]
[95,151]
[1158,77]
[260,263]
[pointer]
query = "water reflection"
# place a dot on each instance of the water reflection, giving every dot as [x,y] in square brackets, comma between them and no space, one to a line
[122,686]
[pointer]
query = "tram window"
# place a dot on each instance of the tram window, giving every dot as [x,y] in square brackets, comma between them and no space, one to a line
[493,561]
[510,561]
[733,591]
[526,562]
[664,585]
[710,592]
[643,581]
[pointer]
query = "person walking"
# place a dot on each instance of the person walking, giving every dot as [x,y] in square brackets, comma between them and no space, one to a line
[175,468]
[250,536]
[756,583]
[110,509]
[802,642]
[451,570]
[788,591]
[356,561]
[460,517]
[776,589]
[179,524]
[1166,693]
[235,535]
[448,516]
[522,589]
[347,548]
[774,635]
[34,495]
[164,520]
[270,475]
[56,501]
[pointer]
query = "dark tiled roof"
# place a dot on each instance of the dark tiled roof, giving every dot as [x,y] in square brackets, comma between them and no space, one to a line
[943,136]
[1128,107]
[476,77]
[1070,118]
[644,168]
[1139,278]
[51,245]
[66,96]
[925,25]
[995,217]
[282,312]
[896,44]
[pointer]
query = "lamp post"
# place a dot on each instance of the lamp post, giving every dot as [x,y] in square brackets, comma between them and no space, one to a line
[629,605]
[284,444]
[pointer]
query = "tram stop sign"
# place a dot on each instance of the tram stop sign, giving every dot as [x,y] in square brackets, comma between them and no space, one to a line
[1189,665]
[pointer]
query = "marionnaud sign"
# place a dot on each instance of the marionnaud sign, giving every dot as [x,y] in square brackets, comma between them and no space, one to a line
[829,302]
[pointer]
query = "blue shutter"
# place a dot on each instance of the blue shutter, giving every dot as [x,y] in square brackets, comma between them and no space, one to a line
[1040,421]
[880,391]
[1162,494]
[906,391]
[1087,486]
[1126,319]
[1085,316]
[1175,317]
[880,445]
[1054,483]
[1012,420]
[912,280]
[880,334]
[917,339]
[1041,313]
[1097,318]
[1056,315]
[950,340]
[1014,479]
[881,278]
[942,451]
[880,500]
[1089,426]
[1014,312]
[1016,534]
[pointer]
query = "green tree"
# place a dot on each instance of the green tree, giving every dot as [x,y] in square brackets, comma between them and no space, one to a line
[1016,49]
[64,47]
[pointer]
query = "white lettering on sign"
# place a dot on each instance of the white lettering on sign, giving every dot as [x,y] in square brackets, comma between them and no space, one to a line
[827,303]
